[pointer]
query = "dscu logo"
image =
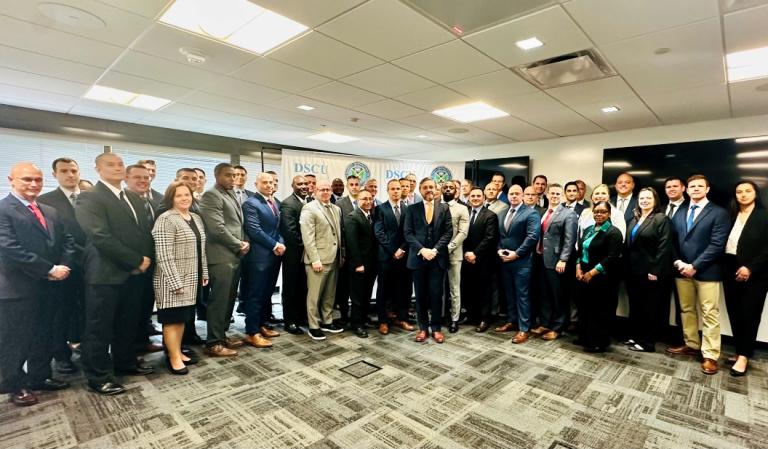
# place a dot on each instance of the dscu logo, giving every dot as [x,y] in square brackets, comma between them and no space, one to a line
[318,169]
[358,169]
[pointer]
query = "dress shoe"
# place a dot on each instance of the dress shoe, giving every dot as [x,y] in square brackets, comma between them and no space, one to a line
[231,320]
[520,338]
[506,327]
[549,336]
[268,333]
[453,327]
[232,343]
[732,359]
[709,366]
[737,373]
[539,330]
[361,332]
[49,385]
[637,347]
[316,334]
[383,328]
[275,320]
[257,341]
[391,315]
[421,336]
[139,369]
[482,327]
[438,336]
[174,371]
[594,349]
[332,328]
[65,367]
[153,347]
[293,329]
[23,398]
[683,350]
[404,325]
[106,388]
[629,342]
[218,350]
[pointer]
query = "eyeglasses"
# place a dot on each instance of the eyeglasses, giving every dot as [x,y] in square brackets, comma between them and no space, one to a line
[29,179]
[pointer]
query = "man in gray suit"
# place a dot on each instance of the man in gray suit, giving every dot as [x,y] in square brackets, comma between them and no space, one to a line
[225,246]
[320,223]
[492,201]
[460,223]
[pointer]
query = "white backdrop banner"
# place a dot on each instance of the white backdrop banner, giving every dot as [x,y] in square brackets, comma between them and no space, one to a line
[329,166]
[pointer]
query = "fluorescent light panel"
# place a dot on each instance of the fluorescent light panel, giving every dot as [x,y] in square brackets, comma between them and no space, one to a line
[609,109]
[239,23]
[617,164]
[753,166]
[752,154]
[747,64]
[304,107]
[332,137]
[472,112]
[125,98]
[752,139]
[529,44]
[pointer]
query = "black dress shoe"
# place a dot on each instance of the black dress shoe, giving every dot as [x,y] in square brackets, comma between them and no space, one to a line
[137,370]
[736,373]
[482,327]
[453,327]
[178,372]
[106,388]
[274,320]
[361,332]
[293,329]
[594,349]
[65,367]
[49,385]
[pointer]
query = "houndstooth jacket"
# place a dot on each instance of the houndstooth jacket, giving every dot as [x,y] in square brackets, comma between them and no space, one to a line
[176,251]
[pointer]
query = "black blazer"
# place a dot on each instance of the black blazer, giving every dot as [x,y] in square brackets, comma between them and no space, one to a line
[66,212]
[389,232]
[28,251]
[290,211]
[156,201]
[651,249]
[752,249]
[605,250]
[483,236]
[361,241]
[629,210]
[116,243]
[415,231]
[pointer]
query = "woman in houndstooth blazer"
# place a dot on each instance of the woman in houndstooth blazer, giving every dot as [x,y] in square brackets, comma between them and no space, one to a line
[181,269]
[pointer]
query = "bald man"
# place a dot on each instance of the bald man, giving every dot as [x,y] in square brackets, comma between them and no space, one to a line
[36,253]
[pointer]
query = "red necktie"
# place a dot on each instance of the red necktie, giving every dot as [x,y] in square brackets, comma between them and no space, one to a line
[39,215]
[272,206]
[544,226]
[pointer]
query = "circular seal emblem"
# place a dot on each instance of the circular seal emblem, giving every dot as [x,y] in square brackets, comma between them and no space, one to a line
[441,174]
[358,169]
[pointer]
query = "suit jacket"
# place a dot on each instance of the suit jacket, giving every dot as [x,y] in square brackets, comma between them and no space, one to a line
[177,260]
[752,249]
[498,207]
[66,212]
[362,250]
[415,231]
[605,249]
[577,209]
[483,237]
[223,220]
[704,243]
[523,234]
[290,211]
[321,234]
[346,205]
[460,224]
[629,211]
[540,210]
[560,238]
[28,251]
[157,200]
[116,242]
[650,251]
[503,195]
[389,231]
[262,227]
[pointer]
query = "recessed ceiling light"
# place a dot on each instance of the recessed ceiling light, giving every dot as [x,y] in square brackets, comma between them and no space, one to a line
[752,154]
[422,136]
[662,51]
[752,139]
[609,109]
[529,44]
[235,22]
[332,137]
[305,107]
[640,172]
[472,112]
[747,64]
[617,164]
[125,98]
[754,166]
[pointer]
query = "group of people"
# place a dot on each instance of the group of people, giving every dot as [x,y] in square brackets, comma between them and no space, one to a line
[89,267]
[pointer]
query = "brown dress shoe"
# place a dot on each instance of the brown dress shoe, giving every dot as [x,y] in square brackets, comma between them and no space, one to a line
[383,328]
[219,350]
[268,333]
[551,335]
[24,398]
[421,336]
[482,327]
[539,330]
[683,350]
[709,366]
[438,336]
[520,338]
[506,327]
[232,343]
[257,341]
[404,325]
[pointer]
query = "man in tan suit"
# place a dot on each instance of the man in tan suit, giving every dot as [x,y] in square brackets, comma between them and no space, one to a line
[460,223]
[320,223]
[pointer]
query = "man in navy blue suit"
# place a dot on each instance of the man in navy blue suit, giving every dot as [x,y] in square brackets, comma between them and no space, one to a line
[625,200]
[428,230]
[700,232]
[520,231]
[261,220]
[35,252]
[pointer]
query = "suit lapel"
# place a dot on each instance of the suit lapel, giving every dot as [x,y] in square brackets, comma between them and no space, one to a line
[704,212]
[27,215]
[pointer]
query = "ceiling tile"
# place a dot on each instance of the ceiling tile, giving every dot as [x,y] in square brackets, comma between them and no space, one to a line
[603,90]
[552,26]
[231,105]
[690,105]
[632,114]
[43,83]
[342,95]
[243,90]
[448,62]
[389,109]
[90,108]
[545,112]
[28,61]
[325,56]
[277,75]
[386,29]
[388,80]
[309,13]
[473,134]
[437,97]
[500,84]
[747,100]
[612,20]
[147,66]
[146,8]
[745,29]
[36,99]
[143,85]
[514,128]
[428,121]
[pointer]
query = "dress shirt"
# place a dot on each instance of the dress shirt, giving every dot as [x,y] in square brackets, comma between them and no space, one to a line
[623,202]
[68,193]
[701,205]
[677,204]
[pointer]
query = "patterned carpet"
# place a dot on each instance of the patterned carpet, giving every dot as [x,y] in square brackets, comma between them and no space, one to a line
[474,391]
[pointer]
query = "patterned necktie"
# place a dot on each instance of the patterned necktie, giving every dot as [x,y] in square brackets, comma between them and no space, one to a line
[428,207]
[38,215]
[272,206]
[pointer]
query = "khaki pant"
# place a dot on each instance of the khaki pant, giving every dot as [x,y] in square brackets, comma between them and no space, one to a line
[706,294]
[321,292]
[454,288]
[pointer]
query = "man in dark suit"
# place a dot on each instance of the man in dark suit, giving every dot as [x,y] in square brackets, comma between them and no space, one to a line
[118,255]
[261,215]
[539,185]
[571,192]
[479,264]
[428,230]
[35,252]
[499,179]
[674,188]
[362,255]
[531,199]
[67,310]
[347,204]
[582,186]
[294,289]
[154,197]
[700,232]
[240,188]
[625,200]
[337,186]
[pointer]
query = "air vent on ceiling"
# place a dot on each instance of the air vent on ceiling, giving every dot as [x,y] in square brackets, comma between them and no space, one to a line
[577,67]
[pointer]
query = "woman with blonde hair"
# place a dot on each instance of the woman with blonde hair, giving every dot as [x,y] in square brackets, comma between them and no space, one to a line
[601,193]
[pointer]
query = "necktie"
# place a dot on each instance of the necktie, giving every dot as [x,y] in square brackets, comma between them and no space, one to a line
[148,210]
[125,202]
[510,217]
[368,216]
[621,204]
[272,206]
[671,210]
[73,198]
[689,223]
[397,212]
[544,227]
[428,207]
[472,218]
[38,215]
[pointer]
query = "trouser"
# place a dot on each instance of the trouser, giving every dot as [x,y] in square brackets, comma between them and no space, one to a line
[294,287]
[146,305]
[428,283]
[597,310]
[706,294]
[221,301]
[341,297]
[516,278]
[112,314]
[361,289]
[646,308]
[537,271]
[476,289]
[70,320]
[59,308]
[394,287]
[321,291]
[260,281]
[454,288]
[744,301]
[17,335]
[553,309]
